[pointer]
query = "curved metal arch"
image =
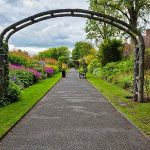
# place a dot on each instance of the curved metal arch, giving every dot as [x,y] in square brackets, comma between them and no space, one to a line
[134,33]
[9,31]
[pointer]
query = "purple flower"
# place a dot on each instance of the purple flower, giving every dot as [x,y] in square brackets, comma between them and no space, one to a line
[50,71]
[34,72]
[16,66]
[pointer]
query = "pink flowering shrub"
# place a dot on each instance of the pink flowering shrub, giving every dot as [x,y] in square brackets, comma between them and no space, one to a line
[27,76]
[33,71]
[49,71]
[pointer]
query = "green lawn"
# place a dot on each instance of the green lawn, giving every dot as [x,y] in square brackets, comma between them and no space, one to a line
[138,113]
[10,114]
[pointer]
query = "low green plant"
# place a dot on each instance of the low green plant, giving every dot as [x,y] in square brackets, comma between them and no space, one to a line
[93,65]
[14,93]
[97,72]
[24,76]
[125,81]
[14,79]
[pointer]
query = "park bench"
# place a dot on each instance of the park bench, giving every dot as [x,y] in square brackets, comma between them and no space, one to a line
[82,75]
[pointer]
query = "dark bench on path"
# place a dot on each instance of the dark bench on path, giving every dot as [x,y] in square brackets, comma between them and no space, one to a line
[82,75]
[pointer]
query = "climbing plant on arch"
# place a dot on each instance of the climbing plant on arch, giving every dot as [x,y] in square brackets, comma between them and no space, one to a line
[129,29]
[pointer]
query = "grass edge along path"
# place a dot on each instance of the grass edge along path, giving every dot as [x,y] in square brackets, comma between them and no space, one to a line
[137,113]
[12,113]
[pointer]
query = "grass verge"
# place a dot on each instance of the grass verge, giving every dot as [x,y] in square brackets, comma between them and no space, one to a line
[138,113]
[10,114]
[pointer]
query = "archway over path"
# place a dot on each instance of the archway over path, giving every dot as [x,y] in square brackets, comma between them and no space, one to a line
[134,33]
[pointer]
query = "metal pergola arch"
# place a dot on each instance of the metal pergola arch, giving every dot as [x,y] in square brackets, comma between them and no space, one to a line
[135,34]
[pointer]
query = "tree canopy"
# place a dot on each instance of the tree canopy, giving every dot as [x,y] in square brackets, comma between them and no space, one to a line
[134,12]
[110,51]
[55,53]
[81,49]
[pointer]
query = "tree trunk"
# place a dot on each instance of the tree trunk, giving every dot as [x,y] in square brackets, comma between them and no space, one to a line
[136,73]
[141,69]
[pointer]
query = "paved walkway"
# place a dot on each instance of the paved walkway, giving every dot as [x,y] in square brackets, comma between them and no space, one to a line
[74,116]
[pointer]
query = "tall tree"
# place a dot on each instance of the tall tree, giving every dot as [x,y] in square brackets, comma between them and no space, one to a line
[96,30]
[135,12]
[81,49]
[55,53]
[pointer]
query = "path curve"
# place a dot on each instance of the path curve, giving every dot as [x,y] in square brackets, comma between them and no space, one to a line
[74,116]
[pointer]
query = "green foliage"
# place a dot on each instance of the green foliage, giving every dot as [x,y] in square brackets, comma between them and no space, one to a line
[14,79]
[119,73]
[147,84]
[55,53]
[81,49]
[15,59]
[4,80]
[71,64]
[110,51]
[113,69]
[93,65]
[19,57]
[99,31]
[14,93]
[81,70]
[97,72]
[63,59]
[125,81]
[54,67]
[24,76]
[147,58]
[134,12]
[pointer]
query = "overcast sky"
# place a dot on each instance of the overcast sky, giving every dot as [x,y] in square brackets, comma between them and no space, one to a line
[49,33]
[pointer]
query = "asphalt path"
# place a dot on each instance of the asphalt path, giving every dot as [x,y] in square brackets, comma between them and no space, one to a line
[74,116]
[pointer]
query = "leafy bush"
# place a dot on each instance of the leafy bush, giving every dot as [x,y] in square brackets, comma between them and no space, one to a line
[16,59]
[147,58]
[27,76]
[14,79]
[14,93]
[124,80]
[113,69]
[93,65]
[20,58]
[119,73]
[97,72]
[110,51]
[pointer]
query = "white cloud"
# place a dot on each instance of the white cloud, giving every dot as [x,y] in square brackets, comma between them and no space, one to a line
[30,50]
[49,33]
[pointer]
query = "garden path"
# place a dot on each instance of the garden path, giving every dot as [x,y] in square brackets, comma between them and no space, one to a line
[74,116]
